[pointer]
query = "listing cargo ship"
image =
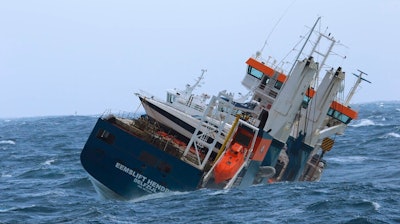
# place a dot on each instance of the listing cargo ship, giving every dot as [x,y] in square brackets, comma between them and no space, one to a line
[279,131]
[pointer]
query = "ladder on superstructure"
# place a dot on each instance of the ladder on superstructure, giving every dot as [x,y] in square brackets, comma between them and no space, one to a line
[209,131]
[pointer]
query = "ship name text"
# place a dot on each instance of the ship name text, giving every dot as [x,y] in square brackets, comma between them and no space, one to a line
[142,181]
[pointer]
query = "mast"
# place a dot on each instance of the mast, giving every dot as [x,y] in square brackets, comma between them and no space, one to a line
[324,55]
[354,88]
[305,43]
[189,89]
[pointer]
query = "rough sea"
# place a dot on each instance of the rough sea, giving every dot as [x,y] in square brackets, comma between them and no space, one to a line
[42,180]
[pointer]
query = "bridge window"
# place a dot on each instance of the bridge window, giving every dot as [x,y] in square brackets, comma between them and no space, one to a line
[306,101]
[278,84]
[254,72]
[339,116]
[264,82]
[170,98]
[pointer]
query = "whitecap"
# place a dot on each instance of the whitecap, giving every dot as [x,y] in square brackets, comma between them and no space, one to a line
[7,142]
[6,175]
[47,193]
[348,159]
[298,188]
[218,192]
[157,196]
[363,123]
[4,210]
[391,134]
[375,204]
[16,208]
[48,162]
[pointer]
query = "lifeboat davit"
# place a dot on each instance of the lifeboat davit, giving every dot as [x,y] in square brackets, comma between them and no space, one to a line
[229,164]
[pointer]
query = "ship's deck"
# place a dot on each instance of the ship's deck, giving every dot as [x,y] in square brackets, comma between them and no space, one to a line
[157,135]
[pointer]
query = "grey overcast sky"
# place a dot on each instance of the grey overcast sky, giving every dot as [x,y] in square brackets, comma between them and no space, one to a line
[72,56]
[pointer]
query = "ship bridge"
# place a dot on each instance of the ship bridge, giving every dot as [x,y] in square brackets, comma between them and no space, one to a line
[341,112]
[264,81]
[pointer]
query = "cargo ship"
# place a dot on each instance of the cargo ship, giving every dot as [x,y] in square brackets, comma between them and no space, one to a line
[279,131]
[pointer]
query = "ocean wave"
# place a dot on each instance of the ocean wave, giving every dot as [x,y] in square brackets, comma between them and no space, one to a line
[5,175]
[348,159]
[56,192]
[375,204]
[363,123]
[298,187]
[16,208]
[219,192]
[7,142]
[48,162]
[392,134]
[158,195]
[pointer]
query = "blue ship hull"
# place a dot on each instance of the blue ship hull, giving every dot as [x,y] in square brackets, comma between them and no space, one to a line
[128,167]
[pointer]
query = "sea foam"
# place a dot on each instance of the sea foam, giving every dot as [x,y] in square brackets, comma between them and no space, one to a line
[363,123]
[7,142]
[48,162]
[392,134]
[348,159]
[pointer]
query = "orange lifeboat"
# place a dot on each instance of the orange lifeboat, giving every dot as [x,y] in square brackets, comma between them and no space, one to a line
[229,164]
